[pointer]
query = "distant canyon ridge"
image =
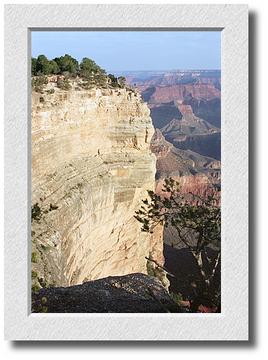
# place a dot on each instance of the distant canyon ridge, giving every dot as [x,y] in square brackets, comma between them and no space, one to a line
[185,107]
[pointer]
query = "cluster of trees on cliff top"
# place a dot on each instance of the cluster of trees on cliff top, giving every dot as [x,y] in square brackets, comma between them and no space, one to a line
[69,67]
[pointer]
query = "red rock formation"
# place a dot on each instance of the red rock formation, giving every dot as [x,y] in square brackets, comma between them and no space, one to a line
[164,94]
[185,109]
[195,173]
[199,185]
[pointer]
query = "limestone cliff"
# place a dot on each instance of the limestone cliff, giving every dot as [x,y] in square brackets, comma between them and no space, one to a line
[91,166]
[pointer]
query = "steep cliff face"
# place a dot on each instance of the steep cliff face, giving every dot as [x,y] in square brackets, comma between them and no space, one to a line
[91,166]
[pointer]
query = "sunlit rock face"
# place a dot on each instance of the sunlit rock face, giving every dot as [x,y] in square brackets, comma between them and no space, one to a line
[91,167]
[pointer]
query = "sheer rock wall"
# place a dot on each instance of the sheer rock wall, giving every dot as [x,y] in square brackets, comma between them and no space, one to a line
[91,167]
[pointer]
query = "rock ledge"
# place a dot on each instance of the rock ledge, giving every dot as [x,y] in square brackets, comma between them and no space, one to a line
[133,293]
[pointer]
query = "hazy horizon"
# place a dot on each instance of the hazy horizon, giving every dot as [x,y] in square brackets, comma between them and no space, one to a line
[123,51]
[165,70]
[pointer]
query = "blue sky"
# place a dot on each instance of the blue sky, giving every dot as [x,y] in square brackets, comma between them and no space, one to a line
[134,50]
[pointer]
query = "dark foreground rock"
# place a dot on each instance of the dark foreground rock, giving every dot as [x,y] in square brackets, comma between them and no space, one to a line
[133,293]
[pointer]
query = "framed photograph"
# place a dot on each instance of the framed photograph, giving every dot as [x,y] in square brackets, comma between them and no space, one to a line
[126,172]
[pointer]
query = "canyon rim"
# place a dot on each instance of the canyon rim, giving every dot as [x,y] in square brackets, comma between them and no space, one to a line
[126,174]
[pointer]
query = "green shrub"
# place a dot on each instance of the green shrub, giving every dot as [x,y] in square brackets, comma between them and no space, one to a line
[63,84]
[89,68]
[44,300]
[34,257]
[34,274]
[35,288]
[43,309]
[68,64]
[33,67]
[43,66]
[53,67]
[38,83]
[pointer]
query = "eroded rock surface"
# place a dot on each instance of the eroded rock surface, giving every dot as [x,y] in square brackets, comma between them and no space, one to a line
[133,293]
[91,167]
[194,172]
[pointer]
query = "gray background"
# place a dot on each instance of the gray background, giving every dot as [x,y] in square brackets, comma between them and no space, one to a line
[232,324]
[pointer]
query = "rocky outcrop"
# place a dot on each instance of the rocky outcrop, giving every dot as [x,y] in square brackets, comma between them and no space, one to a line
[91,167]
[194,134]
[179,163]
[133,293]
[209,110]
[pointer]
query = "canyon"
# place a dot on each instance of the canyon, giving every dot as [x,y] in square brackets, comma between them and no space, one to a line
[185,107]
[194,172]
[91,167]
[95,154]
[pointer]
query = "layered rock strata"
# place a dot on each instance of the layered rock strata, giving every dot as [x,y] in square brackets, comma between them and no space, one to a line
[194,172]
[91,167]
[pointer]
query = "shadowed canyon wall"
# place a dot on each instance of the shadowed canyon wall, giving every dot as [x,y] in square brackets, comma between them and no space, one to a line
[91,167]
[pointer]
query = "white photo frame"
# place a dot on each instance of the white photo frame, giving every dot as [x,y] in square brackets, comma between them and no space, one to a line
[232,323]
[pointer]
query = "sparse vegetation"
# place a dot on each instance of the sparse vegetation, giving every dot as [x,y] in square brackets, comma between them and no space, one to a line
[34,274]
[115,82]
[66,67]
[63,84]
[36,212]
[35,288]
[39,307]
[38,83]
[34,257]
[44,300]
[197,222]
[43,309]
[50,91]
